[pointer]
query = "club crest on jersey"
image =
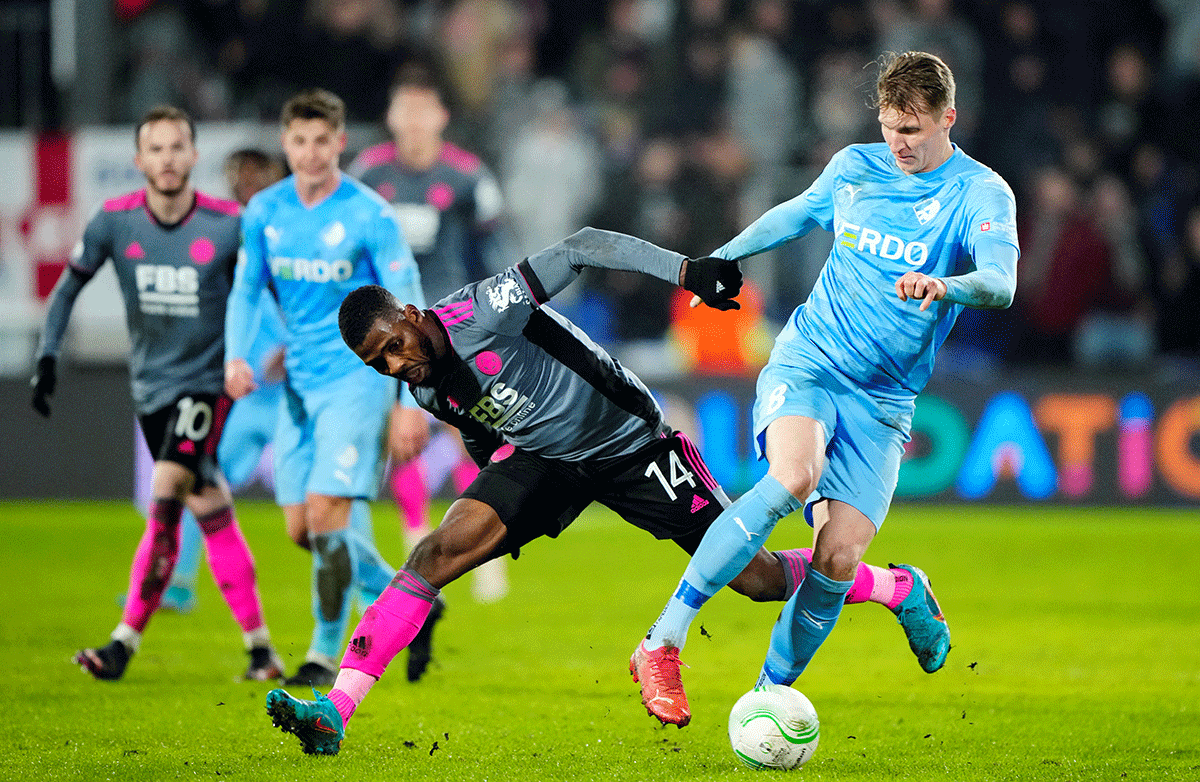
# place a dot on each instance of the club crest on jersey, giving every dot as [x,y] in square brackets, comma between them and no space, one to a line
[503,294]
[334,234]
[927,209]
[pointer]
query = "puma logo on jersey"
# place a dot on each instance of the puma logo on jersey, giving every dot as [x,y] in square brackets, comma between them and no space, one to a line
[502,406]
[882,245]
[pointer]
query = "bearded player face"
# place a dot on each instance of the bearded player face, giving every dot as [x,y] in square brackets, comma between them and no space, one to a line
[166,155]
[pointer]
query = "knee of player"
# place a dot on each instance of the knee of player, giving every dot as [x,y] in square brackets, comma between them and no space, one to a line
[798,478]
[836,562]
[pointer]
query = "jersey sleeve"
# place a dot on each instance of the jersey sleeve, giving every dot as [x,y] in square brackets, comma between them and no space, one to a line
[991,241]
[549,272]
[249,279]
[89,255]
[789,220]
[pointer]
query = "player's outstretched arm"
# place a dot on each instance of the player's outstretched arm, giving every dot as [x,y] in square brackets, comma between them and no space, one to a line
[991,285]
[62,301]
[554,268]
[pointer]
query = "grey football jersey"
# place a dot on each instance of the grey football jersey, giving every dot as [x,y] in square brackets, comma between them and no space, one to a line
[522,373]
[450,214]
[175,281]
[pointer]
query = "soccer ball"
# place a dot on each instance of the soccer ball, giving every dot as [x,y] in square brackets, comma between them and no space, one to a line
[773,726]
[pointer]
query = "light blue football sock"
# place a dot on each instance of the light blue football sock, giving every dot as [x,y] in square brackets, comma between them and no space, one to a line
[374,573]
[332,577]
[191,544]
[803,625]
[728,546]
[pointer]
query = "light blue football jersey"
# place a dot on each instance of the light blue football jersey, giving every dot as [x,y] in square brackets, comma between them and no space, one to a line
[311,258]
[885,223]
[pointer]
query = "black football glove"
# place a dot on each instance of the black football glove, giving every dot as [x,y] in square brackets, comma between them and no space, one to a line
[715,280]
[45,377]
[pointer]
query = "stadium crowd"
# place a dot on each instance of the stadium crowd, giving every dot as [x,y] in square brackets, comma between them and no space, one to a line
[680,120]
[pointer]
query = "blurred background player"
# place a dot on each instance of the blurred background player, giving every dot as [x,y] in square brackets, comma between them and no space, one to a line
[449,206]
[244,452]
[310,239]
[174,251]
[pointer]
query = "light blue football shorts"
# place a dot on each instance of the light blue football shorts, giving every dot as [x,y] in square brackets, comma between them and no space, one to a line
[249,429]
[329,441]
[862,453]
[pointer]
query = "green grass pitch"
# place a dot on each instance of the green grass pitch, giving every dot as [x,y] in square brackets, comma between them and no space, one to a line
[1076,656]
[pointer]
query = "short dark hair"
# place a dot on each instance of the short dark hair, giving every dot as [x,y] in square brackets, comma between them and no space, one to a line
[255,158]
[914,82]
[361,308]
[425,72]
[159,113]
[315,104]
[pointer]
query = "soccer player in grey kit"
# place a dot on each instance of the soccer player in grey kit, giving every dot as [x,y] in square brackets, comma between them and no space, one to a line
[554,422]
[173,249]
[449,206]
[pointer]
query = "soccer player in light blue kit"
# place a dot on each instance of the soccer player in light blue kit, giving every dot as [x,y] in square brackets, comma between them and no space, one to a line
[311,239]
[920,231]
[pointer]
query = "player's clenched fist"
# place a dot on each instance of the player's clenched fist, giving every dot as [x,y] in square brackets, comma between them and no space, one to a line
[914,285]
[239,378]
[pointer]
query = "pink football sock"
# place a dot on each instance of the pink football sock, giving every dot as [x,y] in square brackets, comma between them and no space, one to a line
[389,624]
[871,583]
[891,586]
[349,690]
[412,495]
[233,567]
[464,472]
[153,563]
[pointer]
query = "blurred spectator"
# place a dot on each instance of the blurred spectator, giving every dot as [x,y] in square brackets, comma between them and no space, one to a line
[839,112]
[1179,292]
[550,174]
[1160,183]
[168,64]
[355,47]
[1077,296]
[934,26]
[1119,330]
[514,96]
[1015,133]
[765,101]
[1130,112]
[472,36]
[696,99]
